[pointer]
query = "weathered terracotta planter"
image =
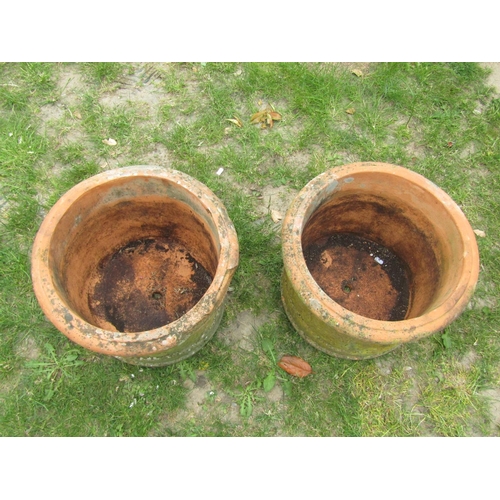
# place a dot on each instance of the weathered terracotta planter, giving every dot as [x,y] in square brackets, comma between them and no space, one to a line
[375,256]
[135,263]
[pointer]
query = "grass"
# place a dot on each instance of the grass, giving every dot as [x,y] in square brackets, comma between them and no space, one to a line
[440,120]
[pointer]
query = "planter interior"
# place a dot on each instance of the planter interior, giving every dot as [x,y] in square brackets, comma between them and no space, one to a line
[388,254]
[134,265]
[337,242]
[137,252]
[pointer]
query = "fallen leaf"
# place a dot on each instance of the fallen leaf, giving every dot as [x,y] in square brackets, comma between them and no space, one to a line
[265,117]
[350,111]
[109,142]
[449,144]
[77,115]
[258,117]
[295,366]
[236,121]
[276,216]
[480,233]
[357,72]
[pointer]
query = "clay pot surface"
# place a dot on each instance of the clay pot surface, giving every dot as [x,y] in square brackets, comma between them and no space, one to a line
[375,255]
[135,263]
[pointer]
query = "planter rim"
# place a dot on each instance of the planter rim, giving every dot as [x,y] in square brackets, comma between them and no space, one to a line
[323,306]
[115,343]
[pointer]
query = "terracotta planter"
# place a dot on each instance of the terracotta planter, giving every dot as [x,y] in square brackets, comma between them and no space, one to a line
[135,263]
[374,256]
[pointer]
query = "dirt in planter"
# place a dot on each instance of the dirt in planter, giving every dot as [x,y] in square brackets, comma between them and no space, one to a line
[146,284]
[361,275]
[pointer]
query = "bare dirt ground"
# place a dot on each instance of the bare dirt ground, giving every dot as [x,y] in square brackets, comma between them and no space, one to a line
[494,78]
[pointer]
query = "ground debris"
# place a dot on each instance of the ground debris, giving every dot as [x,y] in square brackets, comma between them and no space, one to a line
[295,366]
[266,117]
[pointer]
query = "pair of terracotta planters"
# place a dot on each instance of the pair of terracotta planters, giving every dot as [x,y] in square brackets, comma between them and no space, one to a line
[136,262]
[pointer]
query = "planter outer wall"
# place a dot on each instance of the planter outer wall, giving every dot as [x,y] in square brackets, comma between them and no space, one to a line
[412,217]
[79,219]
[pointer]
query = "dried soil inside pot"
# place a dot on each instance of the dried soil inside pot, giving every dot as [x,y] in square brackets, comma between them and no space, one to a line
[361,275]
[146,284]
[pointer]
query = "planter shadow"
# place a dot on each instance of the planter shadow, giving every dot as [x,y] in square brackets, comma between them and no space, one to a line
[135,263]
[375,256]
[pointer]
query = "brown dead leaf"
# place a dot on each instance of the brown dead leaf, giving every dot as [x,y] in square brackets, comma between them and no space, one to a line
[350,111]
[258,117]
[357,72]
[276,216]
[236,121]
[295,366]
[77,115]
[266,117]
[109,142]
[480,233]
